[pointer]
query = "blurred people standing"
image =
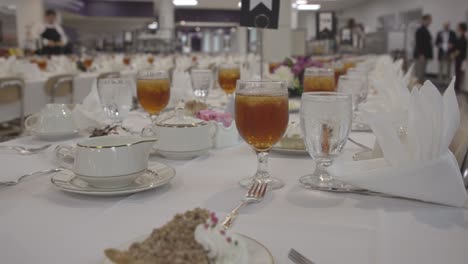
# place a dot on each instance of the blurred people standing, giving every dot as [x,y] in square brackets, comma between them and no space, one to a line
[51,35]
[459,55]
[423,48]
[445,41]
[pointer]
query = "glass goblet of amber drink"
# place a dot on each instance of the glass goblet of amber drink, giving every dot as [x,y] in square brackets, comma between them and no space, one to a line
[319,80]
[87,63]
[126,60]
[153,92]
[262,116]
[42,64]
[150,59]
[228,75]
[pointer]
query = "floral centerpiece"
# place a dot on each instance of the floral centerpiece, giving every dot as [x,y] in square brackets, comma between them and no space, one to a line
[292,70]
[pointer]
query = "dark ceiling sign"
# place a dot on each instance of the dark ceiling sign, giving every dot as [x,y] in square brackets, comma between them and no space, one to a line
[260,13]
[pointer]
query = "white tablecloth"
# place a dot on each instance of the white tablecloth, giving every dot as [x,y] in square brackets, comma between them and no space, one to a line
[40,224]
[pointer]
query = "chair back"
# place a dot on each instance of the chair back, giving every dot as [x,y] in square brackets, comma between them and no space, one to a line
[11,91]
[59,86]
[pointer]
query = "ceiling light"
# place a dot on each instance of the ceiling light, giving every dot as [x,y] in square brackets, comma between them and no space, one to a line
[239,4]
[182,22]
[185,2]
[301,2]
[197,29]
[308,7]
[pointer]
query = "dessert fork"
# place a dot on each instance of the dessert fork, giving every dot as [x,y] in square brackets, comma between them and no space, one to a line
[254,195]
[26,151]
[298,258]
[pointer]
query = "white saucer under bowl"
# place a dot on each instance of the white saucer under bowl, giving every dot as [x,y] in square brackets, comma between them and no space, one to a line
[182,155]
[257,253]
[158,174]
[52,136]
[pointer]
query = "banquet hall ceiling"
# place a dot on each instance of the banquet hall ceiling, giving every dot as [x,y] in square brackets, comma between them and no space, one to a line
[233,4]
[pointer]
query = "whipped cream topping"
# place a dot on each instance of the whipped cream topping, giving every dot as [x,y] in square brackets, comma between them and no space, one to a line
[221,246]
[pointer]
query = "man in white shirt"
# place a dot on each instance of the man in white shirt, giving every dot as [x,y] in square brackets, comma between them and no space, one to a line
[51,36]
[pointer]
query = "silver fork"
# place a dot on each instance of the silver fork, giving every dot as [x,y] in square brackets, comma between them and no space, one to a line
[298,258]
[26,151]
[15,182]
[254,195]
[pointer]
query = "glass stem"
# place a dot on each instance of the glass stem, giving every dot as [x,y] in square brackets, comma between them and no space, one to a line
[262,167]
[154,119]
[321,169]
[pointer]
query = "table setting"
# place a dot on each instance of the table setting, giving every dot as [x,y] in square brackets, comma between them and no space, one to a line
[357,169]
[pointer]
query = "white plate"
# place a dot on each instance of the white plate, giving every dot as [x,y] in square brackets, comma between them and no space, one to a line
[257,252]
[286,151]
[51,136]
[69,182]
[182,155]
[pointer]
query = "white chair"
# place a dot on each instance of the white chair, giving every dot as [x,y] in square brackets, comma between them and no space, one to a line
[12,104]
[59,86]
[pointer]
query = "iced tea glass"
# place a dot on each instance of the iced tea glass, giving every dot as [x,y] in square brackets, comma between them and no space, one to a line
[319,80]
[228,74]
[262,115]
[153,92]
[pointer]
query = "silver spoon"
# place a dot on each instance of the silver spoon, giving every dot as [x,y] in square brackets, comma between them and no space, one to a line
[15,182]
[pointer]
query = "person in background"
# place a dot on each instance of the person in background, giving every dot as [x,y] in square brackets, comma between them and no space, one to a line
[423,48]
[51,35]
[459,55]
[445,41]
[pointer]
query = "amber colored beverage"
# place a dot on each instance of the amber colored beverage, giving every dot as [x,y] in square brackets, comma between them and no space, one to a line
[261,119]
[348,65]
[153,95]
[42,64]
[319,83]
[126,60]
[227,79]
[338,73]
[150,60]
[87,63]
[272,66]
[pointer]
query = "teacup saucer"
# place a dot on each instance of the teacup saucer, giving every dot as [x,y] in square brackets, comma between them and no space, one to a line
[158,174]
[51,136]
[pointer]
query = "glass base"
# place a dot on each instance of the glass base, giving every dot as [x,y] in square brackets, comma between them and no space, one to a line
[273,183]
[319,182]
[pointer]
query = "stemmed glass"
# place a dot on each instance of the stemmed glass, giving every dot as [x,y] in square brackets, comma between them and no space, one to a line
[325,122]
[153,92]
[262,115]
[319,80]
[228,74]
[354,86]
[202,80]
[116,98]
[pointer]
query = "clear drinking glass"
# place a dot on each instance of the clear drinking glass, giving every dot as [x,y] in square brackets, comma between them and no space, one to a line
[116,98]
[262,115]
[319,80]
[361,73]
[202,80]
[354,86]
[325,122]
[153,92]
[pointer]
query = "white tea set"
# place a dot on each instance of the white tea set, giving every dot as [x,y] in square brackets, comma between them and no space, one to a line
[110,165]
[53,122]
[183,137]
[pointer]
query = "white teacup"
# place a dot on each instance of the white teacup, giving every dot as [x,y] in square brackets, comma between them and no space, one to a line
[53,118]
[108,161]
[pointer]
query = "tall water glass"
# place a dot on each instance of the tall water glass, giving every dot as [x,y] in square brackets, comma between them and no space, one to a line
[115,95]
[354,86]
[262,115]
[202,81]
[325,122]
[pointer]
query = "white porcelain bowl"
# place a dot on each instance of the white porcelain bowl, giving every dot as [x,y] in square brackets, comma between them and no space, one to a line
[108,161]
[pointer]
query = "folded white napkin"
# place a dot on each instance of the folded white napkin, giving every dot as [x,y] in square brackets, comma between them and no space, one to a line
[90,114]
[181,86]
[419,165]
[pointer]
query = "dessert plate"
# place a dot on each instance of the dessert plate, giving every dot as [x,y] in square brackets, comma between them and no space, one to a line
[258,253]
[158,174]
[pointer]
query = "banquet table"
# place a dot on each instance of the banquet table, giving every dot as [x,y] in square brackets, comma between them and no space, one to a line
[41,224]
